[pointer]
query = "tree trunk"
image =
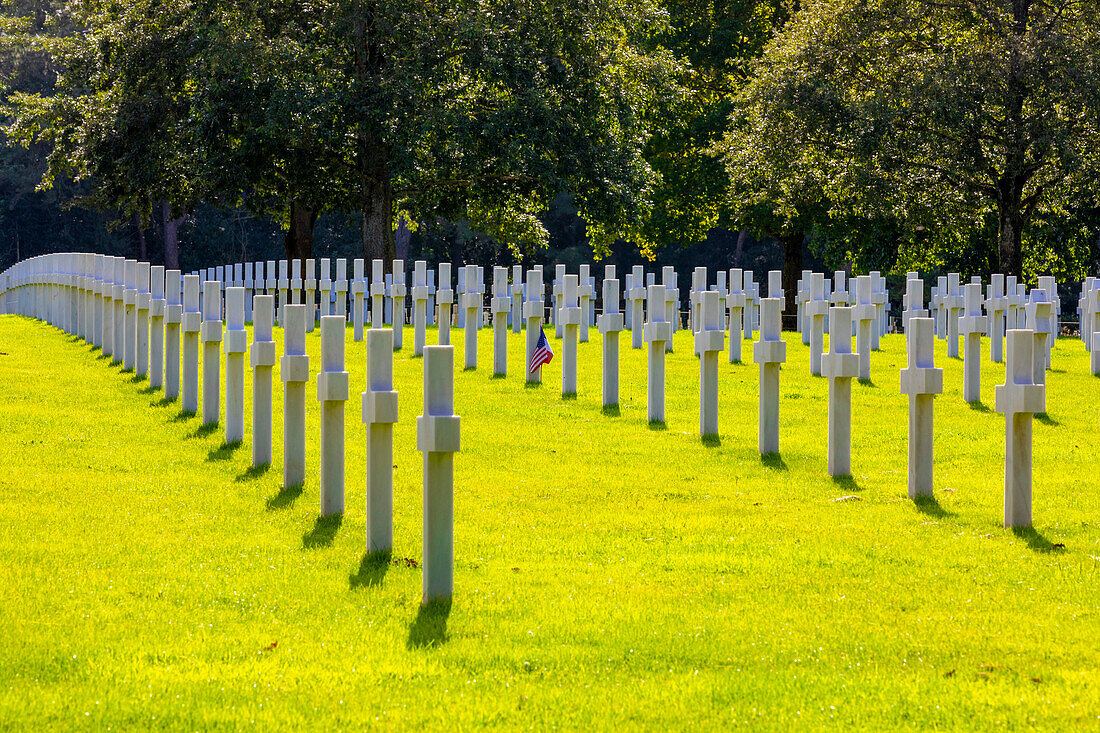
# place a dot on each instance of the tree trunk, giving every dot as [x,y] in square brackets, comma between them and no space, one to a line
[792,269]
[298,241]
[143,250]
[1010,225]
[401,239]
[740,251]
[171,236]
[376,228]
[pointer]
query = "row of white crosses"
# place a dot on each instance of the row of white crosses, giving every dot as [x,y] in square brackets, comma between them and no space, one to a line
[131,310]
[708,309]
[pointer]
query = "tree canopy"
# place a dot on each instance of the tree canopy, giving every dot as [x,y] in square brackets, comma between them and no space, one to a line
[935,113]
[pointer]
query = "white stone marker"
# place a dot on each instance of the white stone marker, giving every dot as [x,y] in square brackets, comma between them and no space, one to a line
[295,284]
[769,352]
[249,286]
[262,360]
[750,304]
[397,291]
[332,393]
[559,299]
[143,302]
[840,365]
[358,298]
[610,324]
[586,295]
[235,346]
[387,315]
[96,326]
[420,306]
[972,326]
[379,415]
[445,296]
[571,316]
[324,284]
[309,285]
[709,343]
[802,298]
[501,305]
[211,353]
[996,304]
[129,295]
[340,287]
[921,380]
[672,313]
[1039,316]
[271,285]
[517,298]
[1048,284]
[294,370]
[438,437]
[839,296]
[695,302]
[173,319]
[460,305]
[377,294]
[120,311]
[283,284]
[1092,326]
[657,332]
[815,309]
[192,325]
[533,310]
[864,313]
[1019,399]
[431,297]
[954,304]
[481,300]
[157,305]
[735,301]
[471,303]
[637,295]
[914,301]
[1012,307]
[879,297]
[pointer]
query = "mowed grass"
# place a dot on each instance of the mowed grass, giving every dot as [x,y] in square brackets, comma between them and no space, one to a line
[608,573]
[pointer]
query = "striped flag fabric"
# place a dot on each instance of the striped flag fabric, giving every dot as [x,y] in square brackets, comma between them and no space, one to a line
[542,354]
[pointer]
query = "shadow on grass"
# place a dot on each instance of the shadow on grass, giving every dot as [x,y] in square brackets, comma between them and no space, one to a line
[928,505]
[611,411]
[1036,541]
[1046,419]
[285,498]
[165,401]
[658,425]
[372,570]
[712,441]
[138,378]
[847,483]
[184,416]
[469,369]
[252,473]
[868,383]
[774,461]
[569,396]
[532,385]
[323,532]
[148,389]
[204,431]
[979,406]
[430,627]
[224,451]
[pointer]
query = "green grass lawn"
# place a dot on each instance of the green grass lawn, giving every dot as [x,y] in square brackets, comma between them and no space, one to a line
[607,573]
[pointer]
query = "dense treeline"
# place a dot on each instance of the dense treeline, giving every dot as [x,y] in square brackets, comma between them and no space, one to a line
[836,134]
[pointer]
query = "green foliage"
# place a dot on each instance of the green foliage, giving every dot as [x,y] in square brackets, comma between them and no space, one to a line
[934,114]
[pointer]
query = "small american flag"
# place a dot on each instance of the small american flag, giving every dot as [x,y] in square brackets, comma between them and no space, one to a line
[542,354]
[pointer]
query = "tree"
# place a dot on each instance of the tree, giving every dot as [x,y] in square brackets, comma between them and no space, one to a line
[934,112]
